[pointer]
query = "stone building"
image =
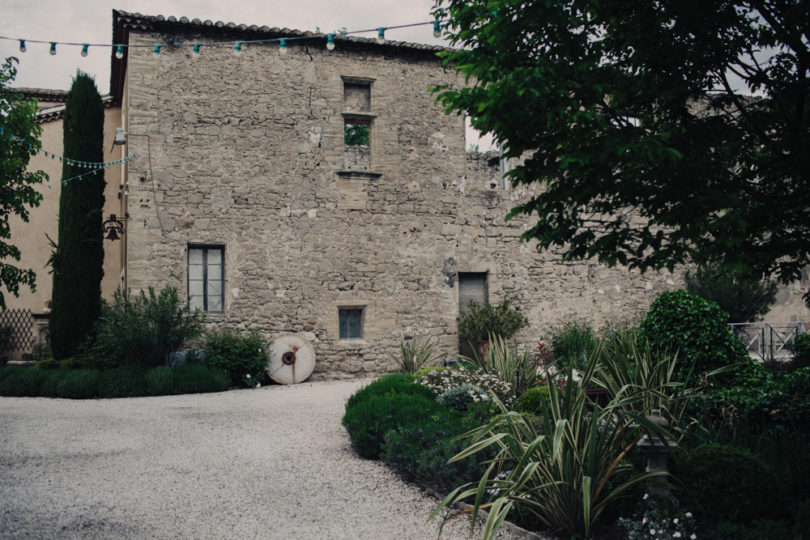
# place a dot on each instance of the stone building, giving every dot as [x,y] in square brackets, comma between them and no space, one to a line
[286,187]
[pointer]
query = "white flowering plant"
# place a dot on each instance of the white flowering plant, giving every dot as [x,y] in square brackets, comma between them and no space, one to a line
[481,383]
[660,519]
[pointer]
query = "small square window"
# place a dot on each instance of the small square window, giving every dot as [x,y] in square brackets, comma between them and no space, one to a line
[350,321]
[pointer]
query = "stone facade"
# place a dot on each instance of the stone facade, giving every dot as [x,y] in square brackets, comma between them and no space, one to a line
[244,152]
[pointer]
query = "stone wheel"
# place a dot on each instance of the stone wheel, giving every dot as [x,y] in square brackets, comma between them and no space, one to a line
[292,359]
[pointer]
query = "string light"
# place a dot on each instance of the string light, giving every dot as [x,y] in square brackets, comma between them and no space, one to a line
[118,48]
[75,162]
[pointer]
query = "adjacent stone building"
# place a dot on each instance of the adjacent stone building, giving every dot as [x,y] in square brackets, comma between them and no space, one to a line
[285,187]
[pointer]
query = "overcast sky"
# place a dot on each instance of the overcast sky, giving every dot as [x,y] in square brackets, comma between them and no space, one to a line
[90,21]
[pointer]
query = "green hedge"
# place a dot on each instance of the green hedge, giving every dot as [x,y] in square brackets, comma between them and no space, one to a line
[395,383]
[368,421]
[123,381]
[243,357]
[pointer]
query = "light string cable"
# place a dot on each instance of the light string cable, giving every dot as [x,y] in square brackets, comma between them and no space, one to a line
[236,44]
[95,165]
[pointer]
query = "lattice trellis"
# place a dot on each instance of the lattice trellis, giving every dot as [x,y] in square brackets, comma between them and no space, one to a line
[22,323]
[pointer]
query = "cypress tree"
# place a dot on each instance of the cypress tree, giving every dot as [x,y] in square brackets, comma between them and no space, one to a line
[77,263]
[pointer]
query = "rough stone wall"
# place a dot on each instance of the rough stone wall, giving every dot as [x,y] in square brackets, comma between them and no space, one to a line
[246,151]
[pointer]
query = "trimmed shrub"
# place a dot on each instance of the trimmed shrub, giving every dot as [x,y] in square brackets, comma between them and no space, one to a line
[50,386]
[196,378]
[395,383]
[368,421]
[160,381]
[21,381]
[532,400]
[243,358]
[124,381]
[682,322]
[421,451]
[79,384]
[726,482]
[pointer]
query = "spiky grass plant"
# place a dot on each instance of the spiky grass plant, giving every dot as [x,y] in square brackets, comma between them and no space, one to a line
[562,476]
[415,354]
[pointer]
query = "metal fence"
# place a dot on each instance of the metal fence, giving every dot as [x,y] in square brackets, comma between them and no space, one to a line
[21,322]
[768,341]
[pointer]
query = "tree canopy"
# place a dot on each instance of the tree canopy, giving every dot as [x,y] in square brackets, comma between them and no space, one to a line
[19,134]
[79,256]
[660,132]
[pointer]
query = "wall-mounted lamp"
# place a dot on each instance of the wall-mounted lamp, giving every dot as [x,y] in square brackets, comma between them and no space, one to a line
[113,228]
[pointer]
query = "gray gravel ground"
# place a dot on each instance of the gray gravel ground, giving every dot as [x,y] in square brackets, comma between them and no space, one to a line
[273,462]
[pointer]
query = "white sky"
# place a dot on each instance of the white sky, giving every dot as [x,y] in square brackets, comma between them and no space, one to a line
[90,21]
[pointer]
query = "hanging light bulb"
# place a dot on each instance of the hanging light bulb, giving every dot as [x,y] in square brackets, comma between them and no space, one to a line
[84,49]
[330,42]
[119,51]
[196,48]
[53,48]
[156,50]
[238,46]
[380,35]
[282,46]
[22,45]
[437,29]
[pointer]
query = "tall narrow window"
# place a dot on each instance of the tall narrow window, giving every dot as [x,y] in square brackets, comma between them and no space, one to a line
[350,321]
[472,286]
[357,124]
[206,275]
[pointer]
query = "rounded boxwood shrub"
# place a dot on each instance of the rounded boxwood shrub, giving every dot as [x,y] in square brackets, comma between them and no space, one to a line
[682,322]
[368,421]
[160,381]
[727,482]
[79,384]
[21,381]
[395,383]
[244,358]
[123,381]
[49,387]
[196,378]
[420,452]
[532,400]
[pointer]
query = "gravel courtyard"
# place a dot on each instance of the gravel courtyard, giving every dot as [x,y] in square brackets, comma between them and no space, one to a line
[273,462]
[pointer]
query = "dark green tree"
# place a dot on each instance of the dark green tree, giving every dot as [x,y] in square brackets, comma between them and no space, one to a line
[658,132]
[76,300]
[744,299]
[19,135]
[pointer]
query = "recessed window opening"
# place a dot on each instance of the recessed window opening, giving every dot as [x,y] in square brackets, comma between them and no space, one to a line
[350,322]
[356,133]
[206,277]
